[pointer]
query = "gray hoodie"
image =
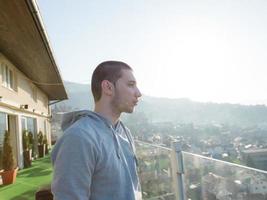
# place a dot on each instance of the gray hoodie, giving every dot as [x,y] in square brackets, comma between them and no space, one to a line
[94,160]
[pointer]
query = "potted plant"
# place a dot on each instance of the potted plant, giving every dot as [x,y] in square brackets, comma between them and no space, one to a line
[27,151]
[41,146]
[10,169]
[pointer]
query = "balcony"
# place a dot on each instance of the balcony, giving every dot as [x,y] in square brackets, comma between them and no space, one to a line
[169,173]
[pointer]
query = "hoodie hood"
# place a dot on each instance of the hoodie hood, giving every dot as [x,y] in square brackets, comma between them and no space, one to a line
[71,117]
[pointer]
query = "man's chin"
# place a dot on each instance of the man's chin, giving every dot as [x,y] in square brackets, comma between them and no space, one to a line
[131,110]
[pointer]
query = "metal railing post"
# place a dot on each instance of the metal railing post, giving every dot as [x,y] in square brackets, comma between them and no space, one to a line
[177,171]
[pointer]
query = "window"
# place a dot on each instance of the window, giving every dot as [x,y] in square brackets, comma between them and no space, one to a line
[3,128]
[34,93]
[8,79]
[44,101]
[23,124]
[29,124]
[45,129]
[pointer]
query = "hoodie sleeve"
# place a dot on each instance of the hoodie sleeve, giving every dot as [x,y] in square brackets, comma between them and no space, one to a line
[74,160]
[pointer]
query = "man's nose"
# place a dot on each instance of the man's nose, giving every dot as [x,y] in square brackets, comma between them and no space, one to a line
[138,93]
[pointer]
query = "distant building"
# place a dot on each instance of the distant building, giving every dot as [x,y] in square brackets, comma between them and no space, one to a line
[256,158]
[255,182]
[29,77]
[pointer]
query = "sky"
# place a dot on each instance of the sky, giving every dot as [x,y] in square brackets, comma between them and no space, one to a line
[207,51]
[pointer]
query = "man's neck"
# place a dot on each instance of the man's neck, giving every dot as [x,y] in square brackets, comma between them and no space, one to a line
[107,112]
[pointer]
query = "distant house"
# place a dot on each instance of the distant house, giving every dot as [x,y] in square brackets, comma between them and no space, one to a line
[256,158]
[29,77]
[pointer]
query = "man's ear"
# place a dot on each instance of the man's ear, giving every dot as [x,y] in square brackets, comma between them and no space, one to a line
[107,87]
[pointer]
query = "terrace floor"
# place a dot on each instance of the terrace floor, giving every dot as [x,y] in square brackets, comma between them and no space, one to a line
[28,181]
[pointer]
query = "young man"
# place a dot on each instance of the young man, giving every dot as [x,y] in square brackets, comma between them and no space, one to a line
[95,157]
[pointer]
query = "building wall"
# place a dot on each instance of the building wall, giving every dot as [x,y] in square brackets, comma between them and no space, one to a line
[256,159]
[12,103]
[26,92]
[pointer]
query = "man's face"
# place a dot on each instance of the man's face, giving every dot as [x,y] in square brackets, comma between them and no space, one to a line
[126,93]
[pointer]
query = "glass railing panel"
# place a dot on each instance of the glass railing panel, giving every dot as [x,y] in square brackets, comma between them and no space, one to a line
[210,179]
[154,168]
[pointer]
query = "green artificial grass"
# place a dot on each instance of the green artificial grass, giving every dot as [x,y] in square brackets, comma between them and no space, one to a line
[28,181]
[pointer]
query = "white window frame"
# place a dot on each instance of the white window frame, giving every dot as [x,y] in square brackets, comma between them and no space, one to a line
[8,77]
[25,122]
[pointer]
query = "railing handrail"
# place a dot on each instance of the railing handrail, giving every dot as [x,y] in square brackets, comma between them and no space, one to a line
[225,162]
[153,145]
[161,196]
[204,157]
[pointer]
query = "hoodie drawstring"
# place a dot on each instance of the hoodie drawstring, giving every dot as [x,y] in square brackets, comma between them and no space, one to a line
[117,145]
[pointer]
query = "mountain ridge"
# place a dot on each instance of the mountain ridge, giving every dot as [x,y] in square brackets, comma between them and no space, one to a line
[182,110]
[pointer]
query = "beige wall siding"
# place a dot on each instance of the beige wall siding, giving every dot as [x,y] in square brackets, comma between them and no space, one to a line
[26,92]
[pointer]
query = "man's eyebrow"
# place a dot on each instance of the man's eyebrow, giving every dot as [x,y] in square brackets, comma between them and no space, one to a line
[131,81]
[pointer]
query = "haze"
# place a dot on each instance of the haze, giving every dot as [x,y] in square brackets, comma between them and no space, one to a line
[209,50]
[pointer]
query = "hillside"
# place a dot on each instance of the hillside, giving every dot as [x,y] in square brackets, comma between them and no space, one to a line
[175,110]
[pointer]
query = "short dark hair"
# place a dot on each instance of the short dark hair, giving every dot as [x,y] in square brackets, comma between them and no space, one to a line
[108,70]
